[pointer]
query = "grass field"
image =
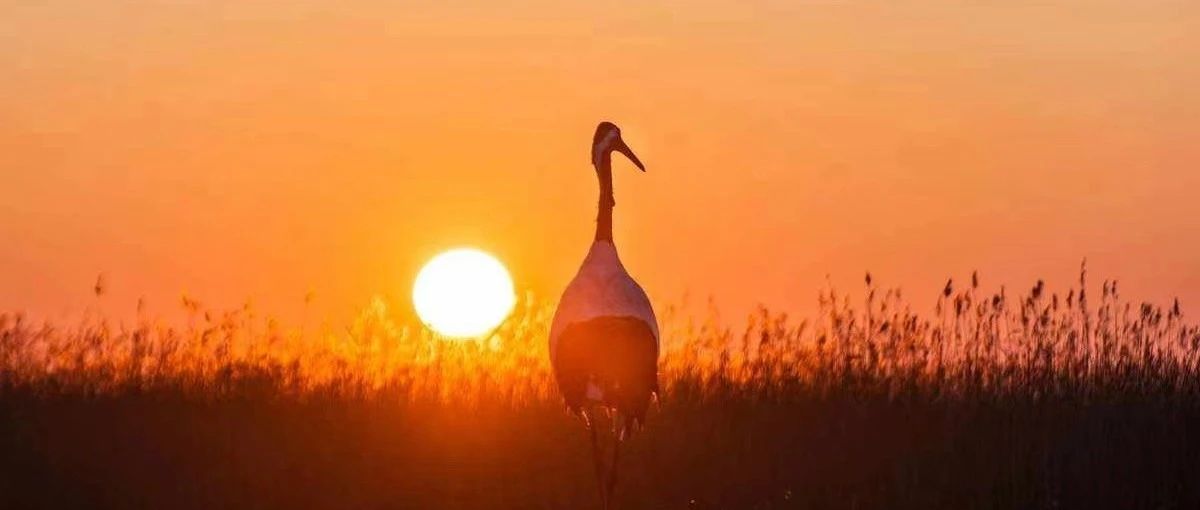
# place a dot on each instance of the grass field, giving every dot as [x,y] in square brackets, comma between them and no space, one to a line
[994,400]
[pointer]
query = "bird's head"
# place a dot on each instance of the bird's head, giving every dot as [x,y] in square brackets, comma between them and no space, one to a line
[607,140]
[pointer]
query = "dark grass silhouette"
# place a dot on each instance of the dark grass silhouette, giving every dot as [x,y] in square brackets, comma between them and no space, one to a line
[1037,401]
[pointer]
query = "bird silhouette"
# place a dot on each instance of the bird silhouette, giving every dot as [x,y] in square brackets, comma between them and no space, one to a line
[604,339]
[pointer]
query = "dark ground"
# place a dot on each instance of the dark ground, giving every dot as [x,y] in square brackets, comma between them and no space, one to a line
[253,450]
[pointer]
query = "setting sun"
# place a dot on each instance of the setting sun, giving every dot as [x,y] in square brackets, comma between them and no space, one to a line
[463,293]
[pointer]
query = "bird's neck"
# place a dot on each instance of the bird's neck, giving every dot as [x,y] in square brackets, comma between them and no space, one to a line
[607,202]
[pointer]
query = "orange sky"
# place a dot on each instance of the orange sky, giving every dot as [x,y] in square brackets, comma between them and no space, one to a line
[246,149]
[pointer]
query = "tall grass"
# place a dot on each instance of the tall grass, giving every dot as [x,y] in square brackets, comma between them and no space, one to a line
[1001,399]
[975,345]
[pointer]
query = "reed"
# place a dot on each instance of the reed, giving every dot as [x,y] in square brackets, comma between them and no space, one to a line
[974,345]
[1036,399]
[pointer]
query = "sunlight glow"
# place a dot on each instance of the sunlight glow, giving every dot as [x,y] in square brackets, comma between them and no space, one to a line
[463,293]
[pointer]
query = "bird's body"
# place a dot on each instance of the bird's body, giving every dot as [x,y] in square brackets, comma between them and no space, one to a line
[604,338]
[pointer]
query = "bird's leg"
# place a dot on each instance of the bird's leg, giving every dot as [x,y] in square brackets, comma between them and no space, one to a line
[612,467]
[596,458]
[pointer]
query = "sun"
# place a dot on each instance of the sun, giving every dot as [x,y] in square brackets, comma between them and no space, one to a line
[463,293]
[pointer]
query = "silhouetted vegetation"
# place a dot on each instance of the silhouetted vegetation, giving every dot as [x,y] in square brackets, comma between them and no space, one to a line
[997,400]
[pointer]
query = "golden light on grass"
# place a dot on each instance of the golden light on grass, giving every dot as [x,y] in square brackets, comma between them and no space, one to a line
[463,293]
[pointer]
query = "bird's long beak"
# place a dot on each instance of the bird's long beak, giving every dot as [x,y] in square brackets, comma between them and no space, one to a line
[624,149]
